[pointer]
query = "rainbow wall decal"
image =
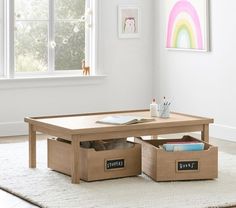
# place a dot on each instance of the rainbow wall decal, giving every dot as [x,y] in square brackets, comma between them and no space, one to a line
[184,28]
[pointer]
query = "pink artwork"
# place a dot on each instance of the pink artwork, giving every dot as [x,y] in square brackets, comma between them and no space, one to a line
[187,24]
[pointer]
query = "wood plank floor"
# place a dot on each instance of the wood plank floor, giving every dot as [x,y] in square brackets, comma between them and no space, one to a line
[10,201]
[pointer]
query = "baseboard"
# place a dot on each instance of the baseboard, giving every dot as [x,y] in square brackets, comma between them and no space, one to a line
[13,128]
[223,132]
[20,128]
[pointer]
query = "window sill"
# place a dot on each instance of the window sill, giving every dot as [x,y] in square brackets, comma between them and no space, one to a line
[47,81]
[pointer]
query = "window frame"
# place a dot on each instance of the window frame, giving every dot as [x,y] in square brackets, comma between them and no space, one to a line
[90,46]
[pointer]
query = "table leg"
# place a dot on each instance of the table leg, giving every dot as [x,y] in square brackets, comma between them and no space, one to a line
[205,133]
[32,147]
[75,165]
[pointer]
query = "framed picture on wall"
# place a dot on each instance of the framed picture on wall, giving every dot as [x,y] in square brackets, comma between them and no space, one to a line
[129,22]
[187,25]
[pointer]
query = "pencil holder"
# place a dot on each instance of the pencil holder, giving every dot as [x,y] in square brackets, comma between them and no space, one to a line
[164,111]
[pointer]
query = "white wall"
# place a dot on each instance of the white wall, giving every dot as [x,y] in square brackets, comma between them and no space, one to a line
[202,83]
[127,63]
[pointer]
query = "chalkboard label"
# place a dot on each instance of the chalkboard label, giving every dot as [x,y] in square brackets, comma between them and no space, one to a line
[114,164]
[187,165]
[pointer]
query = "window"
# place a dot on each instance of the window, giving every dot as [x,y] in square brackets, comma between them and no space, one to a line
[31,35]
[69,34]
[50,36]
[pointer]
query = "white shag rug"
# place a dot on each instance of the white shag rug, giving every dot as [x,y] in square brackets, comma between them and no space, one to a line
[47,188]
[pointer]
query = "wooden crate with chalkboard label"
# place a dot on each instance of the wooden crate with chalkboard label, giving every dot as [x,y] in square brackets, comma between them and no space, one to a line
[162,165]
[95,165]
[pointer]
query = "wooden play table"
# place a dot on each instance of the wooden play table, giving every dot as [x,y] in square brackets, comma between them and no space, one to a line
[83,127]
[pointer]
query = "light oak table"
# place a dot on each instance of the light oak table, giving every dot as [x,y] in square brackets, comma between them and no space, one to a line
[83,127]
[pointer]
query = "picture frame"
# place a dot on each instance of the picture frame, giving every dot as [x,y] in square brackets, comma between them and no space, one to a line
[128,22]
[187,25]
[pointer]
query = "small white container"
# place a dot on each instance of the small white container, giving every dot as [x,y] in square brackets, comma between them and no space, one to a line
[153,108]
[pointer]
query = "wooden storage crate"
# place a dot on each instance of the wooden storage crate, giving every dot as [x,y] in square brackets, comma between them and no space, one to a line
[95,165]
[161,165]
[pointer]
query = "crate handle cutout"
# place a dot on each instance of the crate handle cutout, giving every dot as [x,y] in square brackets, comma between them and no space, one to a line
[114,164]
[187,166]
